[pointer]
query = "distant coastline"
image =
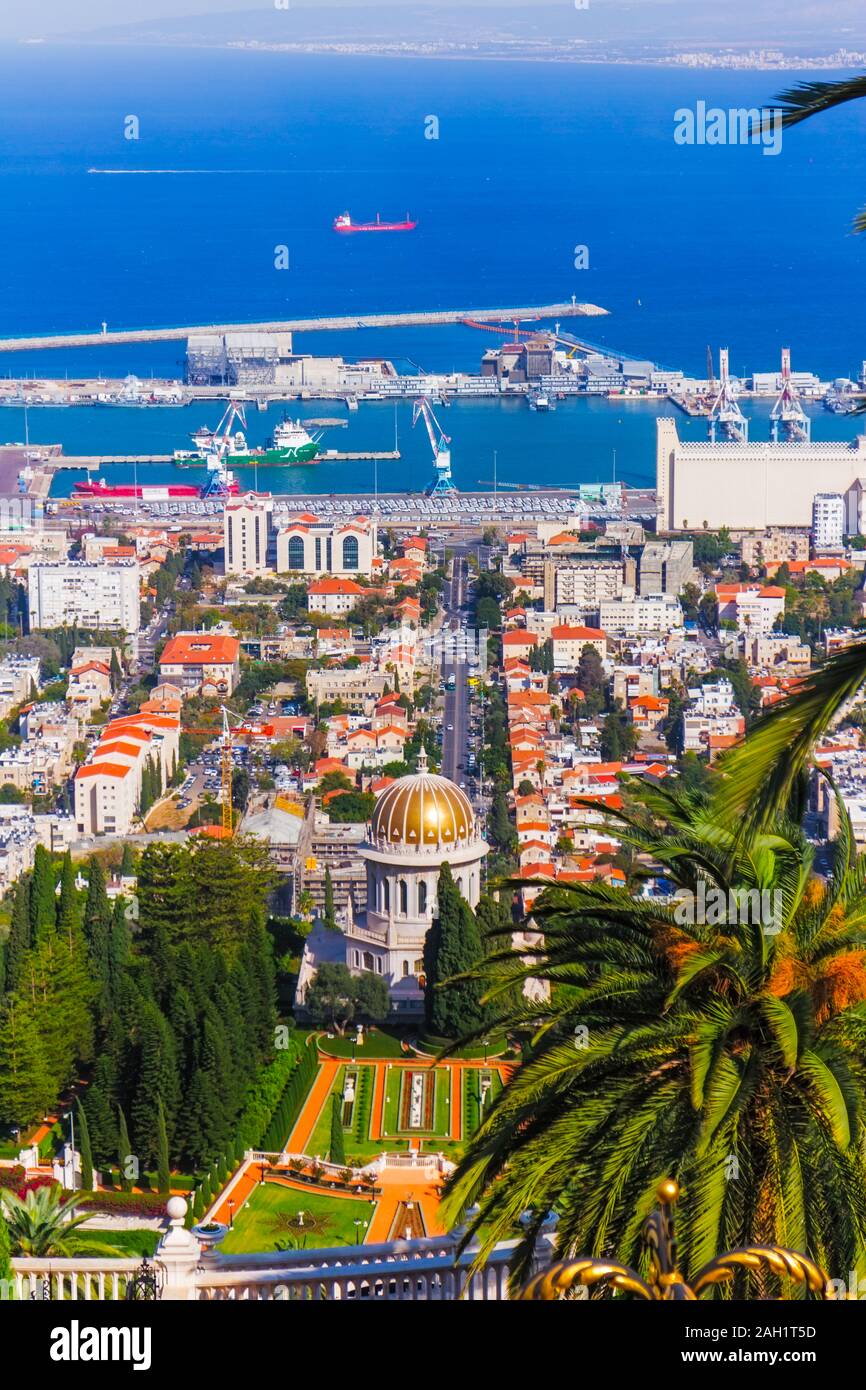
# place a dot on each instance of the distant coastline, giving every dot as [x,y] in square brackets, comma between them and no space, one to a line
[586,54]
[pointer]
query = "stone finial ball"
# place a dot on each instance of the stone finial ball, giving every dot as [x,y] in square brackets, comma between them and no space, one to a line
[176,1208]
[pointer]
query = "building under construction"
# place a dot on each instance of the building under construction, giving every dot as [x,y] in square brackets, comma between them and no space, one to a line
[236,359]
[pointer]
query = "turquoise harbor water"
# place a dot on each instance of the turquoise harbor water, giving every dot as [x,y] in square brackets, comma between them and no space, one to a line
[574,443]
[241,152]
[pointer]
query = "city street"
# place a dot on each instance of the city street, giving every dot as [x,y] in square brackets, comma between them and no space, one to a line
[455,721]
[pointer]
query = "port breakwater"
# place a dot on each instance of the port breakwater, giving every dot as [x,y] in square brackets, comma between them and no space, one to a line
[324,324]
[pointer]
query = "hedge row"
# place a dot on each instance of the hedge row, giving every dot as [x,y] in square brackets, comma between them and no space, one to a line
[268,1117]
[141,1203]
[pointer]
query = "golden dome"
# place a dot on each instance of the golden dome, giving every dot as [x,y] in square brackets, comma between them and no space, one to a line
[422,810]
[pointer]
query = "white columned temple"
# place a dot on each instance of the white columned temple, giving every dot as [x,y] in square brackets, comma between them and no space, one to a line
[419,823]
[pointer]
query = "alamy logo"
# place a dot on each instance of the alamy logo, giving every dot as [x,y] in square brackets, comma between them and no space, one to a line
[77,1343]
[740,125]
[19,513]
[713,907]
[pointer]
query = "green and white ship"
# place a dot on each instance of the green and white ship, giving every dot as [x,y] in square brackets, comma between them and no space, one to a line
[291,445]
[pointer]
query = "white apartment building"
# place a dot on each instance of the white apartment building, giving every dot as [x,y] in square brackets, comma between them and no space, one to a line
[247,532]
[828,522]
[18,840]
[752,607]
[71,592]
[582,587]
[568,644]
[716,697]
[18,676]
[630,616]
[107,789]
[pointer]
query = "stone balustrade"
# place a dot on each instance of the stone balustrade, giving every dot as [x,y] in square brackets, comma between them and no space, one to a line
[428,1269]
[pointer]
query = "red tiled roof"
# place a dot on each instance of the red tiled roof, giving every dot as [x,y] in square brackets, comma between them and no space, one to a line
[198,649]
[578,634]
[103,770]
[322,587]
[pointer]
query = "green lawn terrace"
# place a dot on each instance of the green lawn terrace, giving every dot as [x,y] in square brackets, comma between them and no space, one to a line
[389,1107]
[282,1218]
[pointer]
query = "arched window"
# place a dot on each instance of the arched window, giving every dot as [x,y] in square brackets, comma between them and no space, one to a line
[422,898]
[350,553]
[404,897]
[387,894]
[296,553]
[419,966]
[368,960]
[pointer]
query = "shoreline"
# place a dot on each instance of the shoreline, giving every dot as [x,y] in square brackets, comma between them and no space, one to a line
[325,50]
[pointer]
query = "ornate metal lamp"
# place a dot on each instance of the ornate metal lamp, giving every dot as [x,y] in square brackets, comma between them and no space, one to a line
[144,1285]
[665,1282]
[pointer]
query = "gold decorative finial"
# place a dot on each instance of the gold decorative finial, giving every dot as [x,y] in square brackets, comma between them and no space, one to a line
[665,1282]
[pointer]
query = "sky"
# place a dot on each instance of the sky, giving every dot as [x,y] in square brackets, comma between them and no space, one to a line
[736,20]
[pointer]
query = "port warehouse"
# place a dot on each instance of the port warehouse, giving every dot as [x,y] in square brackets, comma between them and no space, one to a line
[751,486]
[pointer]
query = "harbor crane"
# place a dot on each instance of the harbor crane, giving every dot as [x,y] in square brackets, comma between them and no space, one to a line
[440,443]
[725,413]
[788,415]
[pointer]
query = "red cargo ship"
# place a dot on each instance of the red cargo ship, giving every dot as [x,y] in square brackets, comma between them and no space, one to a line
[344,223]
[146,492]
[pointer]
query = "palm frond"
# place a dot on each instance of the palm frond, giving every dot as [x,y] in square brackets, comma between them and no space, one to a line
[760,774]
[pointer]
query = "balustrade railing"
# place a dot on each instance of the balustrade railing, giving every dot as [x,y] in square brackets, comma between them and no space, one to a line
[429,1269]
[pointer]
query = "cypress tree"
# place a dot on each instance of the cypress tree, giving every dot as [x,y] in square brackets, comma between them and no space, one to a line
[97,921]
[156,1082]
[99,1109]
[337,1148]
[67,903]
[115,672]
[118,952]
[18,941]
[163,1168]
[83,1136]
[127,863]
[124,1151]
[330,916]
[43,909]
[452,945]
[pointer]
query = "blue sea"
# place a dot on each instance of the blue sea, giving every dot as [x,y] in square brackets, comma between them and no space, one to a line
[240,153]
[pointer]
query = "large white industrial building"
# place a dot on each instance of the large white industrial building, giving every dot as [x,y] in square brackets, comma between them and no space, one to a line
[756,485]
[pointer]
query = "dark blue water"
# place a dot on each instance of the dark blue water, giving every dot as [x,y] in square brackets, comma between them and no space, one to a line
[687,246]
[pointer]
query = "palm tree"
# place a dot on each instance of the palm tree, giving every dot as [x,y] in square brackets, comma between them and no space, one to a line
[809,99]
[41,1224]
[765,777]
[729,1055]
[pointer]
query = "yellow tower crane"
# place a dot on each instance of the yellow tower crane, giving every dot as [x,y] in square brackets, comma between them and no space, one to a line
[227,767]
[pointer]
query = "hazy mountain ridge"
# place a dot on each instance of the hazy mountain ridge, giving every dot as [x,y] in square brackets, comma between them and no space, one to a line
[626,24]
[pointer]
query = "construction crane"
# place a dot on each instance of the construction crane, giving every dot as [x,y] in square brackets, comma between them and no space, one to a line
[440,443]
[726,413]
[226,769]
[788,411]
[502,326]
